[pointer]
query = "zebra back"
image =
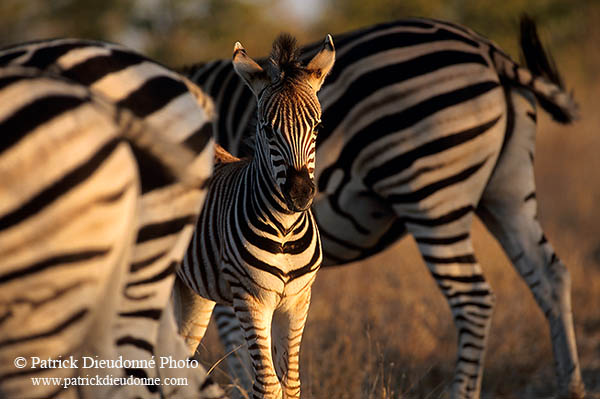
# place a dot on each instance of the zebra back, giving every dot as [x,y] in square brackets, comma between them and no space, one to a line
[376,57]
[170,103]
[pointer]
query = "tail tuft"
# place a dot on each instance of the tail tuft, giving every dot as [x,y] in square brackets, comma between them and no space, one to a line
[538,61]
[562,107]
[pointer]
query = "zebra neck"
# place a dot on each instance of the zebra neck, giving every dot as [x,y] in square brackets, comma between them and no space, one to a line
[266,203]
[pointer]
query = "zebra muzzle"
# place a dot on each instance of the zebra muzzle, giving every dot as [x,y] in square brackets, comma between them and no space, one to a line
[299,189]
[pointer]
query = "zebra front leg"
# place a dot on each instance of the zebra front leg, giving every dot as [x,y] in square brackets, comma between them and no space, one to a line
[192,313]
[170,344]
[288,325]
[450,258]
[255,319]
[234,342]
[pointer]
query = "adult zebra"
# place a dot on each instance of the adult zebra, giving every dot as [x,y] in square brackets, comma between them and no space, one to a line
[166,103]
[70,189]
[256,245]
[426,123]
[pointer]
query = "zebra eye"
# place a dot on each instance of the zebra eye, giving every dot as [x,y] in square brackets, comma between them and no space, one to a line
[317,128]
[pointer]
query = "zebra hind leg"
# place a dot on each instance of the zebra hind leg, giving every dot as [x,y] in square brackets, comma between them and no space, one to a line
[549,281]
[236,350]
[509,210]
[448,253]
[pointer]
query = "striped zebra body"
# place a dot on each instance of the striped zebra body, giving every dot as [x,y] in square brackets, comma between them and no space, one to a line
[70,192]
[169,104]
[256,247]
[426,123]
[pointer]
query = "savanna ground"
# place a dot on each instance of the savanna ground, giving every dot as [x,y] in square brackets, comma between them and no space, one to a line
[381,329]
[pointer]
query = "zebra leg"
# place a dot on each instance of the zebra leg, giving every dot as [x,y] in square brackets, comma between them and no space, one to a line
[509,210]
[288,326]
[448,252]
[255,319]
[192,313]
[170,344]
[234,342]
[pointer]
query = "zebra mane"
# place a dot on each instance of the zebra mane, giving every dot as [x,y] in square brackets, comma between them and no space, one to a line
[285,58]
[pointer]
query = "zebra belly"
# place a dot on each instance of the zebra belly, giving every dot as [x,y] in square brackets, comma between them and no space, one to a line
[365,226]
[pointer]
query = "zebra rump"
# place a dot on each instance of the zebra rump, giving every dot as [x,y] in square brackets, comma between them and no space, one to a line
[64,122]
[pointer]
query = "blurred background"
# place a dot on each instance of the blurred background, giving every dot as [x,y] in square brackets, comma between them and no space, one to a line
[185,31]
[382,329]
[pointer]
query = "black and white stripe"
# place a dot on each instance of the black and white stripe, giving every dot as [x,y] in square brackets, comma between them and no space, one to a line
[426,123]
[178,110]
[256,247]
[68,219]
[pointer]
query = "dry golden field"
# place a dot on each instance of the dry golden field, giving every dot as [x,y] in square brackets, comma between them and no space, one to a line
[381,329]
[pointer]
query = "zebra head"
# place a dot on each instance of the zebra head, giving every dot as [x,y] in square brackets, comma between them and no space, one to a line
[288,113]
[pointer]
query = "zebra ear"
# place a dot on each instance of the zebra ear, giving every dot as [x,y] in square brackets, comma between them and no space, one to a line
[251,73]
[321,64]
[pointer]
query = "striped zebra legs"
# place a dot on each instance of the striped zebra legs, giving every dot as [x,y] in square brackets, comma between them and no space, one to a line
[193,314]
[288,325]
[236,350]
[448,253]
[170,344]
[287,329]
[509,210]
[449,256]
[256,320]
[238,359]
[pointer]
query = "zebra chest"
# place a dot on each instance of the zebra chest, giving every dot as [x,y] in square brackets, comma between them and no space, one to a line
[277,266]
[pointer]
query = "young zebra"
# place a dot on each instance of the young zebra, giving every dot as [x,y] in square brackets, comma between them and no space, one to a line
[256,246]
[70,192]
[426,123]
[179,111]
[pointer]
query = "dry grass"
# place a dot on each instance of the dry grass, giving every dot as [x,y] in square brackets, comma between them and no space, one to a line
[383,330]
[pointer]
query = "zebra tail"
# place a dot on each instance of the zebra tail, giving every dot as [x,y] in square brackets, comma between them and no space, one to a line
[560,105]
[541,75]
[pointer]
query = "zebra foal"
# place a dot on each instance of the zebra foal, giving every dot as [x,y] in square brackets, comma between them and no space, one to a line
[256,245]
